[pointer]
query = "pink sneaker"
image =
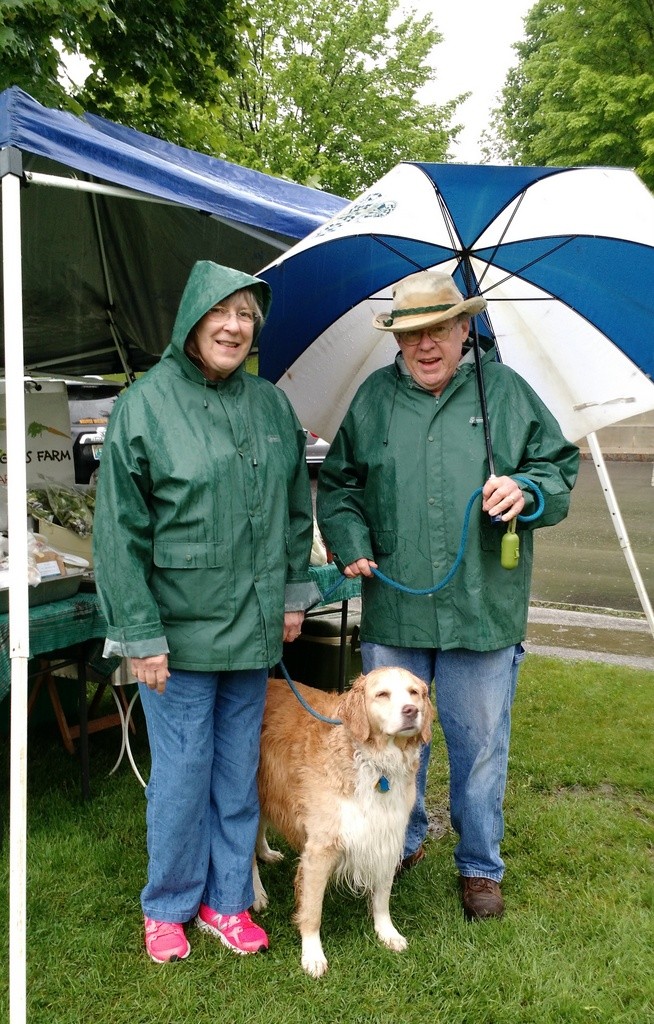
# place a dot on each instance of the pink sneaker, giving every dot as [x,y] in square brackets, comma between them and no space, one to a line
[236,931]
[165,942]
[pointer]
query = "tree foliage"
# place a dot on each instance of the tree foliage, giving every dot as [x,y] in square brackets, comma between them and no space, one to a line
[582,92]
[328,96]
[143,57]
[323,93]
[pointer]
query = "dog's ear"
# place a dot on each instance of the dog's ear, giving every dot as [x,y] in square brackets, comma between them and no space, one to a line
[428,716]
[352,710]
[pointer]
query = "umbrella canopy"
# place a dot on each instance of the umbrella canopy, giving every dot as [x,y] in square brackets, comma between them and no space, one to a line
[564,257]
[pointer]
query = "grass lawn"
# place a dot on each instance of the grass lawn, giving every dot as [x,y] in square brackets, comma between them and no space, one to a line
[576,943]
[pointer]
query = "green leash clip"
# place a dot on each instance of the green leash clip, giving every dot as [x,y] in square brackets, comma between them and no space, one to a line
[510,551]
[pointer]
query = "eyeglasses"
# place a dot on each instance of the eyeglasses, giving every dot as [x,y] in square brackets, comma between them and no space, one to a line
[439,332]
[220,315]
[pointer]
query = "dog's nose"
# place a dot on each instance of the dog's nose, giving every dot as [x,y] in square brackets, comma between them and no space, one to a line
[409,711]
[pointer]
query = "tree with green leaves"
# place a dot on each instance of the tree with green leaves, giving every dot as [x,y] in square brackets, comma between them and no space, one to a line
[146,59]
[582,92]
[329,93]
[325,94]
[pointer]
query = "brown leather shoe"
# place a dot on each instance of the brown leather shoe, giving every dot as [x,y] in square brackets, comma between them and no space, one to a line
[410,861]
[482,897]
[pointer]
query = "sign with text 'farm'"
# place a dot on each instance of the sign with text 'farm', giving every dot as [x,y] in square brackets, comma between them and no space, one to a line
[48,443]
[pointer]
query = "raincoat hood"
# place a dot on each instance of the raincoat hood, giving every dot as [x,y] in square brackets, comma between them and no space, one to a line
[209,283]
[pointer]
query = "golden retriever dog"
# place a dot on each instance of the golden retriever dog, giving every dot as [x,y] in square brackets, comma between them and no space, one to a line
[341,795]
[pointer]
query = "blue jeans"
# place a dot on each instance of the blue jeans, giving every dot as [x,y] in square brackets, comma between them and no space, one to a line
[203,807]
[474,694]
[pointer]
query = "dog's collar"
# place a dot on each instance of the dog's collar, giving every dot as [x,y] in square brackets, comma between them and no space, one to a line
[383,785]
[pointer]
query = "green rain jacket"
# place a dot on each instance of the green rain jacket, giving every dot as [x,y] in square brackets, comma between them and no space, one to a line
[203,521]
[395,486]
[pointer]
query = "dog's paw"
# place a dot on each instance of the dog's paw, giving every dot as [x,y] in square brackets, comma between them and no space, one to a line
[260,900]
[392,939]
[266,854]
[314,961]
[269,856]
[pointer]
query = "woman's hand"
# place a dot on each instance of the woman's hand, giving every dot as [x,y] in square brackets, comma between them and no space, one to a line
[292,625]
[152,671]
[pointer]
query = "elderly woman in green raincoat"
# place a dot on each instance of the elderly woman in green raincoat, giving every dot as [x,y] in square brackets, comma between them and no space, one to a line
[202,536]
[392,494]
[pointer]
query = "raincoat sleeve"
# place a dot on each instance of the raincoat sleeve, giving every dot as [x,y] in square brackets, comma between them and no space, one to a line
[547,458]
[340,501]
[123,540]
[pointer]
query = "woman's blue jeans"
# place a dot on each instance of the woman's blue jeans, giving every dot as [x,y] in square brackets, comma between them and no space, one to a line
[203,807]
[474,694]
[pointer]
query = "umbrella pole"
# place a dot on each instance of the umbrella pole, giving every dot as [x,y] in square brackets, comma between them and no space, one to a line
[484,407]
[620,528]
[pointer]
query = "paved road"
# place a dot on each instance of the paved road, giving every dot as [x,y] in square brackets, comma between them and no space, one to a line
[588,636]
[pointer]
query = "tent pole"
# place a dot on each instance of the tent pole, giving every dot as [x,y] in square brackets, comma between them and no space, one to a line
[18,598]
[127,370]
[620,529]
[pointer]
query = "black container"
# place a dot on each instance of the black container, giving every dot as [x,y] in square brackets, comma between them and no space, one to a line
[314,658]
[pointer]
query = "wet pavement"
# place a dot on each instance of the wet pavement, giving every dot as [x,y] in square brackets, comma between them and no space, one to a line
[585,605]
[580,561]
[588,636]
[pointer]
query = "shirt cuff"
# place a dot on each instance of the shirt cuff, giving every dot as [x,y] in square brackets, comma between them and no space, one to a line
[299,596]
[135,648]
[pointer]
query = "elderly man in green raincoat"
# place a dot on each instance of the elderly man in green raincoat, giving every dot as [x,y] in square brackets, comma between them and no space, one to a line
[202,536]
[392,494]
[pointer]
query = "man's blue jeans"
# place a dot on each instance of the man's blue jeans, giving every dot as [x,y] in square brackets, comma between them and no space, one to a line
[474,694]
[203,808]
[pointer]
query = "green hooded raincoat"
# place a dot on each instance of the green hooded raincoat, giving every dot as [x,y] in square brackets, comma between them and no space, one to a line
[394,488]
[203,521]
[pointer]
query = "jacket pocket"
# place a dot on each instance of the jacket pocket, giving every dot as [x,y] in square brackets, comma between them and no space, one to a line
[384,542]
[491,534]
[187,555]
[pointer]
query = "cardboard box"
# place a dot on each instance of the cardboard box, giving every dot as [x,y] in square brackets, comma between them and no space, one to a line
[66,540]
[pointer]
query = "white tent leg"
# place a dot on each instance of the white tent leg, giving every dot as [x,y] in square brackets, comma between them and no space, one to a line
[620,528]
[18,599]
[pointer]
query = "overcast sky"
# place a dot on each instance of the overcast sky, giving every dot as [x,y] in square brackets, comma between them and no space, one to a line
[474,57]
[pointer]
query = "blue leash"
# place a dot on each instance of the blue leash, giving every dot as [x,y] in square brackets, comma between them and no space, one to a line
[307,707]
[464,540]
[418,592]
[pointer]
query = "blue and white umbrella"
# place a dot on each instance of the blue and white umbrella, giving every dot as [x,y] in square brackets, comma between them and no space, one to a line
[564,256]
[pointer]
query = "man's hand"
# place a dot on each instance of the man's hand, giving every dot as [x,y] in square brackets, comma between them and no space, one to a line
[502,497]
[362,567]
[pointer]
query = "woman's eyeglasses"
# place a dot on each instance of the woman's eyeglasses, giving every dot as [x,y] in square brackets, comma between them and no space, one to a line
[220,315]
[439,332]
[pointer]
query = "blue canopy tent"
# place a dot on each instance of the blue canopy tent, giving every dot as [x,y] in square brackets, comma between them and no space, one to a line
[102,274]
[100,227]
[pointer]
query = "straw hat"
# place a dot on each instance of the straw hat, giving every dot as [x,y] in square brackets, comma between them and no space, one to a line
[423,300]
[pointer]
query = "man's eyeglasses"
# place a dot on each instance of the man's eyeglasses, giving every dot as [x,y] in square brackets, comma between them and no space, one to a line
[439,332]
[220,315]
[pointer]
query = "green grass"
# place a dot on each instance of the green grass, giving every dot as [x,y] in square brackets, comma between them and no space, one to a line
[575,946]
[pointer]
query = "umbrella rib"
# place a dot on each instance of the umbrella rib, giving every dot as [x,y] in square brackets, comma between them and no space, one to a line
[525,266]
[502,237]
[397,252]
